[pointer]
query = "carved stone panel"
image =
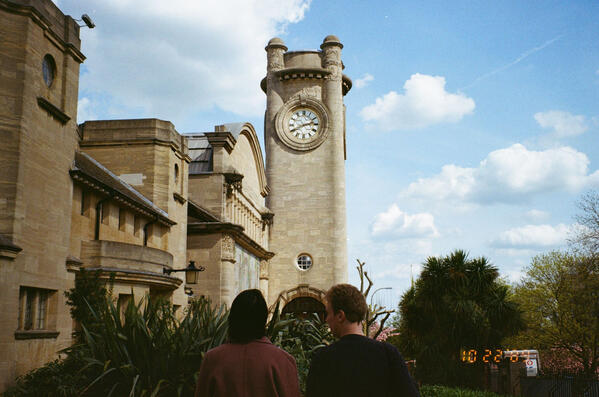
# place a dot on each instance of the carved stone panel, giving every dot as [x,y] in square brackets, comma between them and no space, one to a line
[228,248]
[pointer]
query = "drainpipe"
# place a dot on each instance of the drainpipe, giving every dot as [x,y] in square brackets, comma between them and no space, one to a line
[99,211]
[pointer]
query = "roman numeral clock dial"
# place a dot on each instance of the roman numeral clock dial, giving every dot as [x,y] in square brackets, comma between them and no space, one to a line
[304,124]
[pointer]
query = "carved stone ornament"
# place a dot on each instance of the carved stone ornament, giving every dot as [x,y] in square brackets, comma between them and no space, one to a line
[314,92]
[228,248]
[332,62]
[264,265]
[282,122]
[275,59]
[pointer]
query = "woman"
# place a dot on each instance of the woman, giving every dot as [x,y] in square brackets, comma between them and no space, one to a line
[250,365]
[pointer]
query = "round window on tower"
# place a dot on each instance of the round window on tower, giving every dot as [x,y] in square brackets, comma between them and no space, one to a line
[48,69]
[304,262]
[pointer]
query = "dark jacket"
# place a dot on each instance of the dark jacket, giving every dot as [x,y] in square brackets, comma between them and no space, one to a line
[257,368]
[359,366]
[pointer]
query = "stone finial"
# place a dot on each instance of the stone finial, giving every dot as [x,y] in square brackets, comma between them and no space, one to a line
[275,50]
[331,40]
[276,42]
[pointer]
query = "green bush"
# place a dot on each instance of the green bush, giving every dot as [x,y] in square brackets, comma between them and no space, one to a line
[443,391]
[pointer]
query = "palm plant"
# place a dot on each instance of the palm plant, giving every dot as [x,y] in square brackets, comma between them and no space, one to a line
[457,302]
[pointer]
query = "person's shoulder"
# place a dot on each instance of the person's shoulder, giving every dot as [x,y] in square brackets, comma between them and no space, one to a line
[266,345]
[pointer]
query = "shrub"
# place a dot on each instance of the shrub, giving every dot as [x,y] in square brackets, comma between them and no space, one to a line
[443,391]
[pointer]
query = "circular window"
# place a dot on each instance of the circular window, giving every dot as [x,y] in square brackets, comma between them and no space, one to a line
[48,69]
[304,262]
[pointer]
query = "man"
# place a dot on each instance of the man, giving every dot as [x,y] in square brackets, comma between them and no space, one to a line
[356,365]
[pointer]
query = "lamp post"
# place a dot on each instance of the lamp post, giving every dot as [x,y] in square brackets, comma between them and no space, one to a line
[191,272]
[377,290]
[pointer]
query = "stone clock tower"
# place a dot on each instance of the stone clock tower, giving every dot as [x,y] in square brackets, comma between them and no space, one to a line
[304,136]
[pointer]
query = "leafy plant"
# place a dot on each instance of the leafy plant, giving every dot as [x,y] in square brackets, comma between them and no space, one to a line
[457,302]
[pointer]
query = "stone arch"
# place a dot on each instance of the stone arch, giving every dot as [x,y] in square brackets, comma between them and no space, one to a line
[302,299]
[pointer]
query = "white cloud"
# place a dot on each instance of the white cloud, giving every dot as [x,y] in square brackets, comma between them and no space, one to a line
[85,110]
[402,271]
[364,80]
[424,103]
[507,175]
[396,223]
[179,57]
[537,215]
[562,124]
[533,236]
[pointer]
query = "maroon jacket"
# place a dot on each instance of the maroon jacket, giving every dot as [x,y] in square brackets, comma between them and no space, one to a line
[257,368]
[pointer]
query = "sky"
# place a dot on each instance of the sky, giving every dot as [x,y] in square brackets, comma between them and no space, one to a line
[471,125]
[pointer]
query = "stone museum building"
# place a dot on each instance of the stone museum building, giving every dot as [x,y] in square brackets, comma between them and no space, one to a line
[139,201]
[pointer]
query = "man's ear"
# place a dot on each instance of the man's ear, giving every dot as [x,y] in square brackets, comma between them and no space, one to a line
[340,316]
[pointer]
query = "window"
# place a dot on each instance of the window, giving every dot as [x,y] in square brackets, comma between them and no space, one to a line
[33,308]
[136,225]
[105,212]
[122,303]
[48,69]
[304,262]
[176,173]
[122,219]
[83,202]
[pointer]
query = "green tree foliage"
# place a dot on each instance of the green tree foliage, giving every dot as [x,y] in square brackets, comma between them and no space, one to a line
[87,299]
[147,350]
[456,303]
[560,298]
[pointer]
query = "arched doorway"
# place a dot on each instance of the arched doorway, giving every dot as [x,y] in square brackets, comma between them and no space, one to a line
[304,306]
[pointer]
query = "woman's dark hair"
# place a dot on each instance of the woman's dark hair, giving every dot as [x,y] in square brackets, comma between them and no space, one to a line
[247,317]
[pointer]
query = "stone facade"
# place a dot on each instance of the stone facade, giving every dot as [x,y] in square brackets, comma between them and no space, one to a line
[136,199]
[307,179]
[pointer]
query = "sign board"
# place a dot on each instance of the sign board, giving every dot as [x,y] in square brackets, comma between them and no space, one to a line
[531,367]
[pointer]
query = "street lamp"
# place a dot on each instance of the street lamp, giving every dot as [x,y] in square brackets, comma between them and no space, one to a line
[377,290]
[191,272]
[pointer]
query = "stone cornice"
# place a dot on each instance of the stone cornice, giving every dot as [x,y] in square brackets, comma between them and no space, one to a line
[137,277]
[90,182]
[234,230]
[306,73]
[54,111]
[221,139]
[43,22]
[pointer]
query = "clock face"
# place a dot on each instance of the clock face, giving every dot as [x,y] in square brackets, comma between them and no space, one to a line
[304,124]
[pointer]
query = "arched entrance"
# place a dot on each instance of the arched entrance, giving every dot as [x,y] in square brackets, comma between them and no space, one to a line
[304,306]
[302,301]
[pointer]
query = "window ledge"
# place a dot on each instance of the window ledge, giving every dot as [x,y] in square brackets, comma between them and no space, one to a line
[179,198]
[53,110]
[36,334]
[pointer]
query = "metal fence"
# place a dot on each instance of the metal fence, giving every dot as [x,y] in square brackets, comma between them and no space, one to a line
[565,387]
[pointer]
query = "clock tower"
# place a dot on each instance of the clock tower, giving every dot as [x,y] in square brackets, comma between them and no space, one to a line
[304,137]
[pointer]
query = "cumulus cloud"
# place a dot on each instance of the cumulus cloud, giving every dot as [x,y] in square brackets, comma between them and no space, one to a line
[401,271]
[537,215]
[425,102]
[533,236]
[562,124]
[85,110]
[506,175]
[179,57]
[364,80]
[396,223]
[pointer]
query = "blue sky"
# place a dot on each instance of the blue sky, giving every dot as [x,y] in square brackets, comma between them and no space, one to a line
[471,125]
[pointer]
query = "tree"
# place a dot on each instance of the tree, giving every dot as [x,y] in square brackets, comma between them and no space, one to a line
[587,235]
[377,315]
[456,303]
[560,299]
